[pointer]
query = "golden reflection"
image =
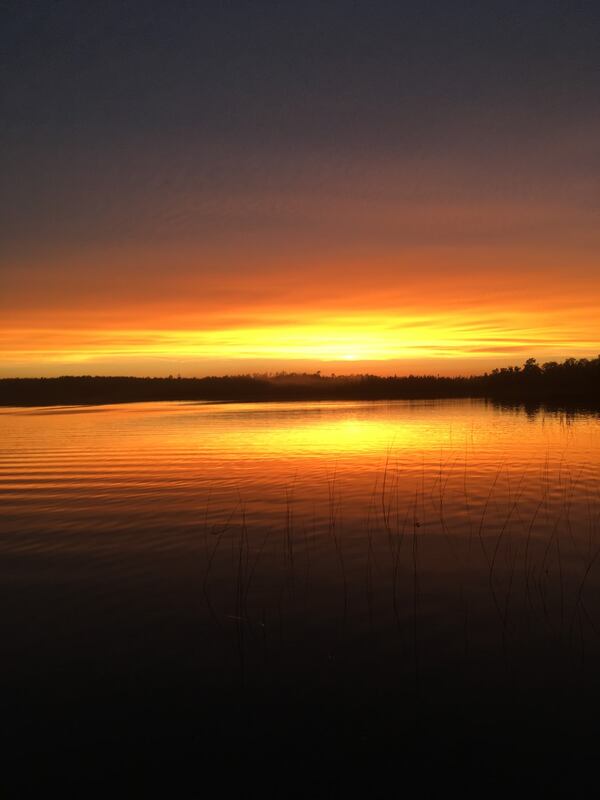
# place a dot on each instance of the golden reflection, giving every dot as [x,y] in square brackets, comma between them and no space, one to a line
[293,430]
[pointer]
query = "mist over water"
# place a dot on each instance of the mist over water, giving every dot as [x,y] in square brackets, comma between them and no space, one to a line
[180,577]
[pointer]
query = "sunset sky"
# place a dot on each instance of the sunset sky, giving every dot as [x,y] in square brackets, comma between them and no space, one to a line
[212,187]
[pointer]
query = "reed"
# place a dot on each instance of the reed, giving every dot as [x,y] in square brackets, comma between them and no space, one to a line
[538,549]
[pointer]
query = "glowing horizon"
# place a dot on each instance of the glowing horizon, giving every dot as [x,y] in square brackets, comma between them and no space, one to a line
[343,316]
[451,344]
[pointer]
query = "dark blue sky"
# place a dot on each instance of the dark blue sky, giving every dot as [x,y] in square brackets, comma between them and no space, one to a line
[313,72]
[92,86]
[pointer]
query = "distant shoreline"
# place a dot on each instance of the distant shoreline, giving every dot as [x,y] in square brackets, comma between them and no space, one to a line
[572,381]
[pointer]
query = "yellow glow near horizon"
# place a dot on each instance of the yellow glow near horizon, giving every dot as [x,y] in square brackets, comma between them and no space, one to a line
[351,339]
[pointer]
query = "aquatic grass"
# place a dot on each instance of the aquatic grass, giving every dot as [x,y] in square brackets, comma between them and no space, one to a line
[529,551]
[333,533]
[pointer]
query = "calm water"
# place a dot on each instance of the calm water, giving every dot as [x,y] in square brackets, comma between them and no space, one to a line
[182,576]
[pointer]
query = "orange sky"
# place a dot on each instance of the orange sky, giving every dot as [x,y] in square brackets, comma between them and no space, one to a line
[416,310]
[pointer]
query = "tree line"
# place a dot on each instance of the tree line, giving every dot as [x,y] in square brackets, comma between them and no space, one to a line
[576,380]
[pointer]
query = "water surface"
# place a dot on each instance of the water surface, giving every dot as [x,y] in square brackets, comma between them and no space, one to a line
[385,562]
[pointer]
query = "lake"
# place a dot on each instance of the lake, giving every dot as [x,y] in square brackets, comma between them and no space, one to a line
[305,579]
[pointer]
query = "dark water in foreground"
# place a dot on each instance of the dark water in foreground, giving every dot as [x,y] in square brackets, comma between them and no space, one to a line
[362,586]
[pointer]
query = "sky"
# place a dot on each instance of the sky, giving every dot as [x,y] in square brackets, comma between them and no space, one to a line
[230,187]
